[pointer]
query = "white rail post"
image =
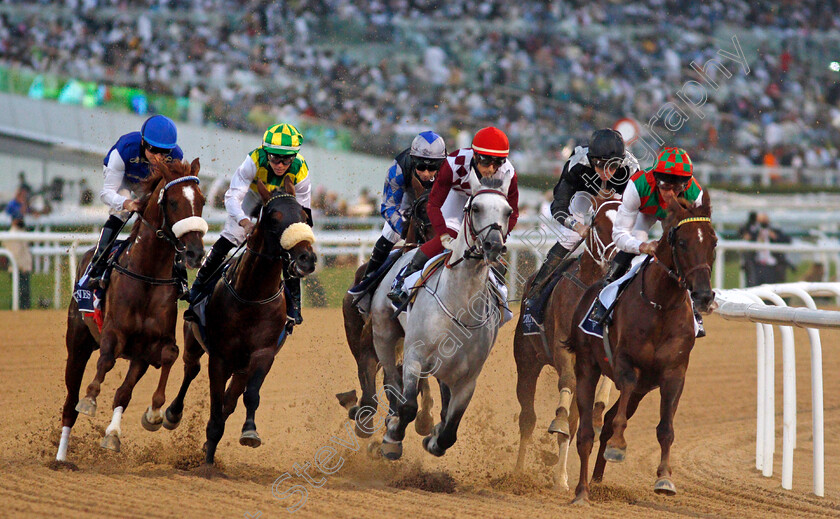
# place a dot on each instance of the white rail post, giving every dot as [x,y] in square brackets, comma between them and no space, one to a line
[15,279]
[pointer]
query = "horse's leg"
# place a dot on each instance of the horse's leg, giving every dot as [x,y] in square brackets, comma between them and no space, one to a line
[424,421]
[446,433]
[136,369]
[367,365]
[586,374]
[251,398]
[561,475]
[564,362]
[107,358]
[406,412]
[627,377]
[606,432]
[602,398]
[216,423]
[192,365]
[80,346]
[445,395]
[152,419]
[670,389]
[527,372]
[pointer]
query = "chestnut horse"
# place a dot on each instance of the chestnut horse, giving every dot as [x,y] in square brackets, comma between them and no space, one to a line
[357,328]
[140,306]
[246,317]
[533,352]
[652,334]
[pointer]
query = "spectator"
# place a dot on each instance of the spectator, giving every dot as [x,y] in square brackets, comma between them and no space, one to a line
[19,206]
[85,193]
[765,266]
[23,257]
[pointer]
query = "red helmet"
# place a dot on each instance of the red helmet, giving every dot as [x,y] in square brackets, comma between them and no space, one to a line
[491,141]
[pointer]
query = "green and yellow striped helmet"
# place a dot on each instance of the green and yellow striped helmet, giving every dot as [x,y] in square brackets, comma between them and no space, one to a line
[282,139]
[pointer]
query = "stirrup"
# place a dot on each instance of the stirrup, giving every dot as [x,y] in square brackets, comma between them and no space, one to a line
[598,313]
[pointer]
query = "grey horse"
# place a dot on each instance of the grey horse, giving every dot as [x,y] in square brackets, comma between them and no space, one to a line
[452,325]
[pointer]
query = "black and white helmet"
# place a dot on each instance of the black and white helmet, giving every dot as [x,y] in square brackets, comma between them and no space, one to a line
[428,145]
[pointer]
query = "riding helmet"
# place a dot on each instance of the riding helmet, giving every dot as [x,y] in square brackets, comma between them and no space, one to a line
[606,143]
[428,145]
[159,131]
[282,139]
[491,141]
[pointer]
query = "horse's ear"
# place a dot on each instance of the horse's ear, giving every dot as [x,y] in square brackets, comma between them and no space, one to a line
[475,182]
[194,167]
[506,184]
[263,191]
[416,185]
[160,165]
[289,185]
[706,204]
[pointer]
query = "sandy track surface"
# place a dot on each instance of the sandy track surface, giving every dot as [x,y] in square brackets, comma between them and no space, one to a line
[155,474]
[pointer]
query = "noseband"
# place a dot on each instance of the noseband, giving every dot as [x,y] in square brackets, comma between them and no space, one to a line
[284,255]
[677,273]
[165,232]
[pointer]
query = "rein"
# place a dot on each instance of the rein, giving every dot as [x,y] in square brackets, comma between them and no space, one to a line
[475,251]
[602,250]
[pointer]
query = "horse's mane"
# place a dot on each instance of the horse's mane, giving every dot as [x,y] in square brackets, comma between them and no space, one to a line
[491,183]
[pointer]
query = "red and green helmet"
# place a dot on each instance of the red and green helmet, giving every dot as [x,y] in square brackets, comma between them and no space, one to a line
[673,164]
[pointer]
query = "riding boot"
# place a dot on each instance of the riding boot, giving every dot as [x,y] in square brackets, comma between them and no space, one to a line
[380,253]
[293,306]
[619,266]
[399,295]
[212,262]
[100,256]
[701,330]
[552,261]
[179,272]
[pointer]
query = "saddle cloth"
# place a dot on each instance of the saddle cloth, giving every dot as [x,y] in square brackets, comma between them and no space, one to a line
[90,301]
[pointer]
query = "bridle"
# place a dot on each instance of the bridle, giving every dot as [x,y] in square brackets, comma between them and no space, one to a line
[164,231]
[599,251]
[420,225]
[476,249]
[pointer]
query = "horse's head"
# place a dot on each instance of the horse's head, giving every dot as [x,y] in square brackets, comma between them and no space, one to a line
[284,231]
[174,203]
[486,217]
[599,242]
[690,240]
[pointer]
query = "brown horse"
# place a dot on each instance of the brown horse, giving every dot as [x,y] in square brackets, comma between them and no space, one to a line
[246,317]
[357,329]
[140,307]
[652,334]
[533,352]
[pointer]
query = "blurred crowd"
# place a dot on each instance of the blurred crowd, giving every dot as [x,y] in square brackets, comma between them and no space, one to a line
[546,72]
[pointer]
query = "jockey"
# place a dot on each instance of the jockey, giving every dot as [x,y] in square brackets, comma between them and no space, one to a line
[643,204]
[422,160]
[486,158]
[604,160]
[126,164]
[271,163]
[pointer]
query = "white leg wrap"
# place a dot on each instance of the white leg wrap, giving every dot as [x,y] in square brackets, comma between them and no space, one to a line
[566,399]
[63,444]
[114,426]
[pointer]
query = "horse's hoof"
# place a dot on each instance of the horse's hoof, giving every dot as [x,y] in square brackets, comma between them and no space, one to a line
[250,439]
[615,454]
[111,441]
[424,424]
[581,501]
[352,412]
[348,400]
[87,406]
[149,426]
[598,433]
[664,487]
[559,426]
[392,451]
[560,484]
[171,421]
[432,449]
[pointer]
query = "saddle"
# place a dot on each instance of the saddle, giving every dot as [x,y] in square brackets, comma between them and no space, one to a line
[368,284]
[534,316]
[432,266]
[90,301]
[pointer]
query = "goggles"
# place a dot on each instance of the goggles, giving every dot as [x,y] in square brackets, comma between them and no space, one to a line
[281,159]
[487,160]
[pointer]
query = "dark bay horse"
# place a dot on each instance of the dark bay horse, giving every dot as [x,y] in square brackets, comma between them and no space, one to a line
[532,354]
[357,329]
[652,334]
[140,307]
[246,317]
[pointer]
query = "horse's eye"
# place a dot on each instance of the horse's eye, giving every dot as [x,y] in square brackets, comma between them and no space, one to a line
[508,213]
[475,209]
[682,244]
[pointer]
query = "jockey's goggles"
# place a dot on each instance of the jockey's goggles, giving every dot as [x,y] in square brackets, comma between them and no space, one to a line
[157,151]
[429,165]
[487,160]
[672,185]
[611,164]
[281,159]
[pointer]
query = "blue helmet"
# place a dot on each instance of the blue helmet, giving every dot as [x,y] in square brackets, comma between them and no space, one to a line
[160,132]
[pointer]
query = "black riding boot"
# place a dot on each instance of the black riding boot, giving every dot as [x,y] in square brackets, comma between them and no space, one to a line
[701,330]
[619,266]
[380,253]
[179,272]
[293,306]
[552,261]
[212,262]
[398,295]
[100,256]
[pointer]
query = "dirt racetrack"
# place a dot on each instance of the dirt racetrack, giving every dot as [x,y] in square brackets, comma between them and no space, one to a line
[155,475]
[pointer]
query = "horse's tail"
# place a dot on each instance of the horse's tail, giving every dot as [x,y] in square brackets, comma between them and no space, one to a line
[568,344]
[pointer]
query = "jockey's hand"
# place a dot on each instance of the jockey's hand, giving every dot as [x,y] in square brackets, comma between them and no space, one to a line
[580,228]
[446,241]
[246,224]
[648,247]
[131,205]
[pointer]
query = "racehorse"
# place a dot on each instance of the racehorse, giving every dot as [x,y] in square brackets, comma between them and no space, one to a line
[533,352]
[140,306]
[246,317]
[652,334]
[357,328]
[451,326]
